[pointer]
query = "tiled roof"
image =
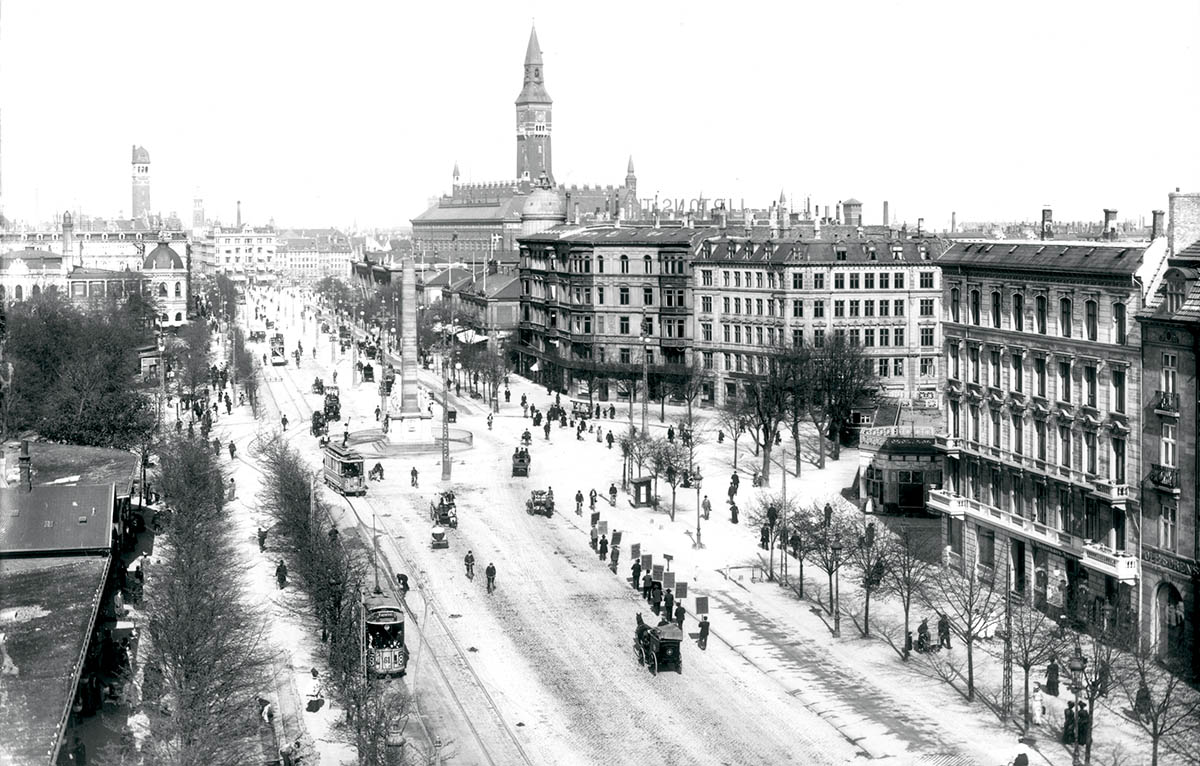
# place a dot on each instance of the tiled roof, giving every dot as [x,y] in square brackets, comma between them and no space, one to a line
[1191,251]
[506,209]
[55,519]
[82,272]
[600,236]
[1048,255]
[738,250]
[35,260]
[50,606]
[70,464]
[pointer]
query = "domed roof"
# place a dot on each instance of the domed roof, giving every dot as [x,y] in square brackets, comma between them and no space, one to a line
[544,203]
[162,257]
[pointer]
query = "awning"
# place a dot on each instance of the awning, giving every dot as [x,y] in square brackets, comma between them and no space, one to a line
[470,336]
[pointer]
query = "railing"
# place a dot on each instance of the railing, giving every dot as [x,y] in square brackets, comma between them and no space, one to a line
[1166,401]
[960,506]
[947,442]
[1164,476]
[1123,565]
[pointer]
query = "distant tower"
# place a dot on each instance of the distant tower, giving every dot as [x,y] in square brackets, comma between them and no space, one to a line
[141,183]
[852,210]
[631,204]
[533,119]
[68,243]
[456,174]
[197,213]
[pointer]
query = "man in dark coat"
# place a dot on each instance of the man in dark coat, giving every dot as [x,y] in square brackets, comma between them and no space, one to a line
[703,642]
[595,537]
[679,613]
[281,574]
[647,585]
[1068,732]
[491,577]
[637,574]
[262,539]
[612,412]
[668,603]
[656,596]
[1052,677]
[1083,720]
[609,439]
[764,538]
[603,547]
[943,631]
[733,513]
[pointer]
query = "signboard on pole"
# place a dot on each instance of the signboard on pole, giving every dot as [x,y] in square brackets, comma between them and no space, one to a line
[635,551]
[680,590]
[701,605]
[603,528]
[647,561]
[595,518]
[616,538]
[668,579]
[658,572]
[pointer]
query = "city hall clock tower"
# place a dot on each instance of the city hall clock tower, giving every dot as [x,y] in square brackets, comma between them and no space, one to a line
[533,119]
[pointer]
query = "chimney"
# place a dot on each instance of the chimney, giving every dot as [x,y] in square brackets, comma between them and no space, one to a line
[25,467]
[920,225]
[1110,225]
[837,211]
[1047,223]
[722,221]
[886,222]
[953,221]
[1183,220]
[239,214]
[1156,225]
[827,219]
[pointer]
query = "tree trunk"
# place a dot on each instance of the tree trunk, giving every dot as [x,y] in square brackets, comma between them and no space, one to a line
[735,452]
[836,449]
[672,502]
[766,465]
[866,631]
[1026,726]
[907,608]
[970,669]
[829,575]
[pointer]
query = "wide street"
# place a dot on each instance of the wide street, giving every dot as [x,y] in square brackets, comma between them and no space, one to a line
[543,670]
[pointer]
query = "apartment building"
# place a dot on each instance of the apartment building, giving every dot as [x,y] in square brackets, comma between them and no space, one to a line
[882,295]
[1043,418]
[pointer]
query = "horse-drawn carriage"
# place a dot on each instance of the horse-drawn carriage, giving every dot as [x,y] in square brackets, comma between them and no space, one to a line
[258,336]
[368,373]
[318,386]
[541,502]
[333,403]
[319,425]
[444,512]
[580,410]
[520,461]
[658,647]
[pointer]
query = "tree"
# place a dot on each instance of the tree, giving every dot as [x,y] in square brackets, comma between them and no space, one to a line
[833,529]
[1102,650]
[848,375]
[799,363]
[733,418]
[671,461]
[689,384]
[1035,640]
[777,513]
[969,601]
[766,405]
[872,555]
[907,574]
[1164,706]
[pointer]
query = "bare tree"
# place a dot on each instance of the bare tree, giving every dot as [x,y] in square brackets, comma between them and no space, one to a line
[1035,640]
[907,575]
[671,461]
[766,404]
[689,384]
[969,601]
[780,515]
[872,555]
[1102,650]
[1164,705]
[800,364]
[834,530]
[848,376]
[734,419]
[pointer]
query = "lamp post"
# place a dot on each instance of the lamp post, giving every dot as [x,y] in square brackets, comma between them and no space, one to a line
[1076,665]
[696,479]
[837,577]
[446,425]
[645,369]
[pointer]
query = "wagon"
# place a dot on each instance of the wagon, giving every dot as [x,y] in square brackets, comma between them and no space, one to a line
[540,502]
[318,386]
[658,648]
[368,373]
[444,512]
[520,462]
[319,426]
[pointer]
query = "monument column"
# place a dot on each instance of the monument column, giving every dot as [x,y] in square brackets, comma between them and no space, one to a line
[408,341]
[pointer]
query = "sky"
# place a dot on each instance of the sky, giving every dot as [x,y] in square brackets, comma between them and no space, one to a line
[354,113]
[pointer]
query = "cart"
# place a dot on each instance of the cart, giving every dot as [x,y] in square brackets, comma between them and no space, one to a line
[444,512]
[319,426]
[658,648]
[540,502]
[520,462]
[368,373]
[333,403]
[318,386]
[581,410]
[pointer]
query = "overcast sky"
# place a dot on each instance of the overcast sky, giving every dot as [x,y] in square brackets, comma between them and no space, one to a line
[321,113]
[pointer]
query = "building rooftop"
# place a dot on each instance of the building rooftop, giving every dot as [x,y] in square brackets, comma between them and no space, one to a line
[734,250]
[56,519]
[50,607]
[610,235]
[507,208]
[1078,257]
[70,464]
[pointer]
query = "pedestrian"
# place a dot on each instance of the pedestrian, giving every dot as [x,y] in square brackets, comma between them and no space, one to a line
[547,430]
[232,450]
[414,476]
[603,547]
[1052,676]
[345,436]
[1037,705]
[668,603]
[735,481]
[656,597]
[491,577]
[283,421]
[592,497]
[579,502]
[612,494]
[1083,723]
[720,437]
[943,631]
[671,434]
[232,488]
[609,439]
[923,636]
[732,491]
[216,445]
[614,557]
[707,506]
[228,405]
[376,413]
[178,425]
[1021,760]
[79,752]
[703,641]
[281,574]
[595,536]
[1141,705]
[679,614]
[612,412]
[1068,731]
[764,537]
[733,513]
[262,539]
[469,563]
[637,573]
[647,585]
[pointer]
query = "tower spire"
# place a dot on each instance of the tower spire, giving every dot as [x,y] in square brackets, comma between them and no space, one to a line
[533,118]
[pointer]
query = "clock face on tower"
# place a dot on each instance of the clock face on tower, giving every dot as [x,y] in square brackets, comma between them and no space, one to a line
[537,72]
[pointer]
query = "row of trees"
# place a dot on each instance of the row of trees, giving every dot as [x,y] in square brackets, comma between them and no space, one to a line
[332,572]
[837,540]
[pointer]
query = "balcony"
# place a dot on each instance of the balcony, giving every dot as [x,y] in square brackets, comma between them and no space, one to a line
[951,445]
[1166,403]
[1165,478]
[960,507]
[1105,560]
[945,501]
[1117,495]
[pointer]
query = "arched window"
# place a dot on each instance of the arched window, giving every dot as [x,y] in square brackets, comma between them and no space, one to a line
[178,290]
[19,293]
[975,301]
[1119,322]
[624,264]
[1091,316]
[995,308]
[1018,312]
[646,265]
[164,319]
[1064,317]
[37,290]
[599,264]
[1040,313]
[162,290]
[954,305]
[178,316]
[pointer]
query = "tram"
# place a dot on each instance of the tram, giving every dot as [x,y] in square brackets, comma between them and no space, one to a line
[384,652]
[344,470]
[278,352]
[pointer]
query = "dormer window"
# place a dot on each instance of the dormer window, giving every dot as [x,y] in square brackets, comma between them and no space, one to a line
[1175,295]
[840,254]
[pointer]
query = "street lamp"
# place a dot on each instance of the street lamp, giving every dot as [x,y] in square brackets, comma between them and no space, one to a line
[696,479]
[446,425]
[837,577]
[1076,665]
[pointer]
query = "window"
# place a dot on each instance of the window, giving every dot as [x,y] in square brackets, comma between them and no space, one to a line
[625,356]
[1018,437]
[1170,363]
[839,308]
[1064,317]
[1018,312]
[974,353]
[898,307]
[854,281]
[987,547]
[706,304]
[1064,446]
[869,337]
[1039,427]
[1118,462]
[898,367]
[1174,291]
[706,276]
[737,305]
[646,267]
[975,300]
[884,280]
[737,333]
[839,281]
[797,338]
[927,307]
[885,308]
[758,307]
[707,356]
[853,308]
[600,296]
[624,264]
[954,304]
[974,423]
[995,365]
[1167,518]
[1064,381]
[954,373]
[818,309]
[726,329]
[798,308]
[885,336]
[868,308]
[1040,314]
[1039,503]
[1089,384]
[840,254]
[706,331]
[623,297]
[1091,319]
[818,281]
[926,340]
[1089,451]
[854,337]
[647,296]
[954,419]
[798,280]
[1119,322]
[818,338]
[1064,508]
[1118,383]
[1018,372]
[926,280]
[927,366]
[883,368]
[899,280]
[995,309]
[624,324]
[954,533]
[725,278]
[1167,445]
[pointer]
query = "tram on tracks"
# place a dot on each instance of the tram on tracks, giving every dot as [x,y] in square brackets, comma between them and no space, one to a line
[343,470]
[384,652]
[278,352]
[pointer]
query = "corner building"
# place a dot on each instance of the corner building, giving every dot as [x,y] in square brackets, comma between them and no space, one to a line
[1042,438]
